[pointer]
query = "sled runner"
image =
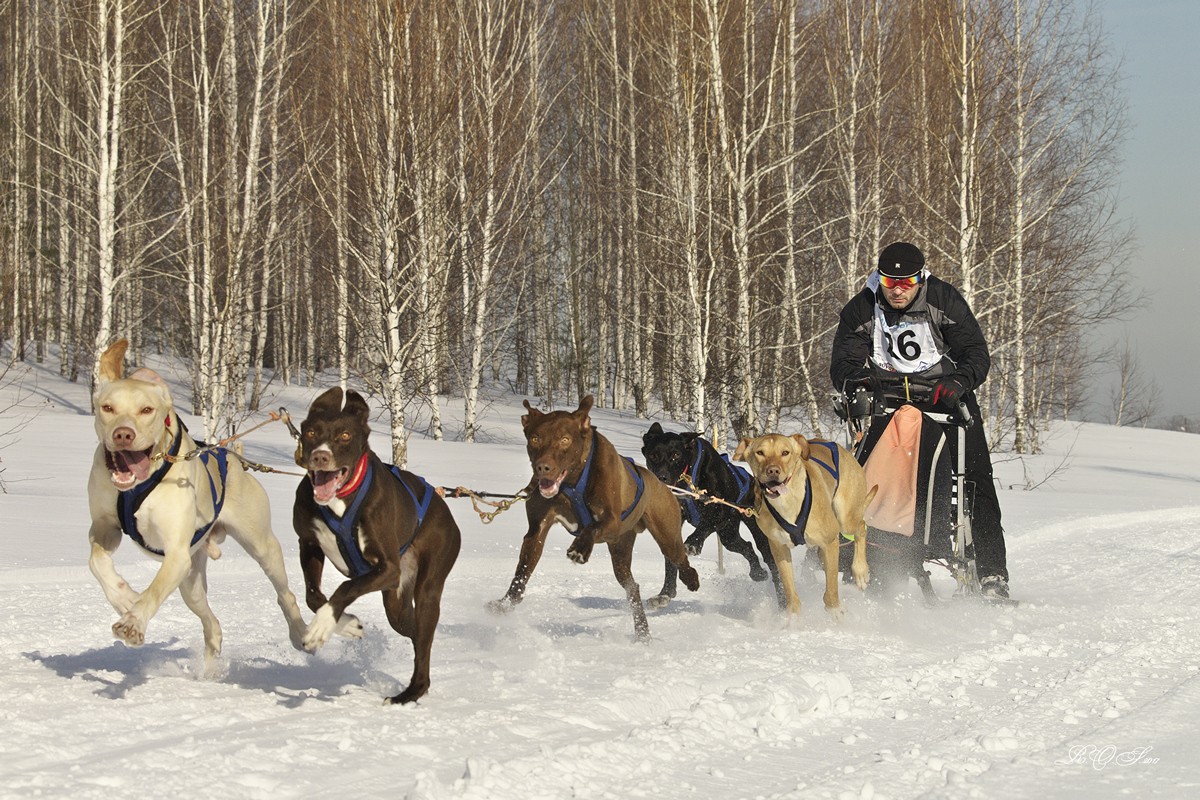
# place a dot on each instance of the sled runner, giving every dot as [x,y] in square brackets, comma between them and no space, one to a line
[921,513]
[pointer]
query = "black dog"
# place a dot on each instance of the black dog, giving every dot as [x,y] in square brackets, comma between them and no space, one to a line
[387,530]
[680,458]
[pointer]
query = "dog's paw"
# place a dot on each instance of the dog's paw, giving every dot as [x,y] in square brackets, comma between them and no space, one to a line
[658,601]
[320,629]
[130,630]
[411,694]
[580,552]
[350,627]
[690,578]
[862,579]
[502,606]
[296,635]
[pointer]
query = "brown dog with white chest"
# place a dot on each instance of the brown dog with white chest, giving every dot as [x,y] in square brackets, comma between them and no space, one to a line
[581,481]
[387,530]
[809,492]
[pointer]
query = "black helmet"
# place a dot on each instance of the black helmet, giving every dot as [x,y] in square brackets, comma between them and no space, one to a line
[900,260]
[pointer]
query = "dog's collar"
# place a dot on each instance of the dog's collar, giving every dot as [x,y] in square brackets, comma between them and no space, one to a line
[690,473]
[351,486]
[169,443]
[173,444]
[691,508]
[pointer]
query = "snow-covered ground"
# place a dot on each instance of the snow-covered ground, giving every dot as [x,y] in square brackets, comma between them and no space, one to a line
[1089,689]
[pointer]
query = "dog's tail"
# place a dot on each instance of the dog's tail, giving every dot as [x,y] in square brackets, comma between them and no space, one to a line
[871,494]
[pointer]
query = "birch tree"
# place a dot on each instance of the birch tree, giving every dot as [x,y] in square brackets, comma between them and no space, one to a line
[15,161]
[1059,141]
[377,124]
[681,138]
[853,67]
[108,93]
[503,109]
[741,120]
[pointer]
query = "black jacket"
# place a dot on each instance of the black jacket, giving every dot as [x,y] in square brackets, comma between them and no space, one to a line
[966,355]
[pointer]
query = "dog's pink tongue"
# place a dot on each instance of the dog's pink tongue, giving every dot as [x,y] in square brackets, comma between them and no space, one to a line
[549,487]
[135,463]
[325,485]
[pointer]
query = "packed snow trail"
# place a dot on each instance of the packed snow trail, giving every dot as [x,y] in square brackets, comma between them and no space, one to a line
[1088,689]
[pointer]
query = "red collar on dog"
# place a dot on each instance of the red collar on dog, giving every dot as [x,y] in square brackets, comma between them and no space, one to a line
[351,486]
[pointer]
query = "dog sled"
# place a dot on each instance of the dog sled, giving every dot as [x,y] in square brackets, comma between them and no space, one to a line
[916,454]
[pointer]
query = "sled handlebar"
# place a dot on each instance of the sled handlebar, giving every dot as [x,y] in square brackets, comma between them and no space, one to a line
[905,388]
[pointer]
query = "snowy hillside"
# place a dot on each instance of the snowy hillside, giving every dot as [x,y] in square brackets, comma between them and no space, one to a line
[1087,690]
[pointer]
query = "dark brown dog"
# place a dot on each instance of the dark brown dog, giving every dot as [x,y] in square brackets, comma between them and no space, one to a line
[387,531]
[580,480]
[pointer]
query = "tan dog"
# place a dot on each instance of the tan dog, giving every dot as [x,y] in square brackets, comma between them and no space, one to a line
[808,492]
[581,481]
[167,506]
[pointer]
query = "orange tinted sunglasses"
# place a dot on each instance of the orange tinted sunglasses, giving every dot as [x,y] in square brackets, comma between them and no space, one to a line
[900,283]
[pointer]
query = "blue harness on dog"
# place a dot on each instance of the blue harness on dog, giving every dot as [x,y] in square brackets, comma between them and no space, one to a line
[577,494]
[343,526]
[795,529]
[129,501]
[691,508]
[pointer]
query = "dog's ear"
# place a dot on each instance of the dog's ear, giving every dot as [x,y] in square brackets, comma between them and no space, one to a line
[802,443]
[150,376]
[533,414]
[690,436]
[356,405]
[651,436]
[585,405]
[740,453]
[328,402]
[112,361]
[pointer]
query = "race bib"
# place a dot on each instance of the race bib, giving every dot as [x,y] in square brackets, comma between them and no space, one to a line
[910,346]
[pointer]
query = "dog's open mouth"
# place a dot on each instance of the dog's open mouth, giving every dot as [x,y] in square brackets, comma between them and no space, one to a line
[327,482]
[127,467]
[549,487]
[775,488]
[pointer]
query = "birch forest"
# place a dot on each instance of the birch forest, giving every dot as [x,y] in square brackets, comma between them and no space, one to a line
[664,203]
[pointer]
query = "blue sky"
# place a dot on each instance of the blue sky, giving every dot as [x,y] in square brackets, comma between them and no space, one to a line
[1160,190]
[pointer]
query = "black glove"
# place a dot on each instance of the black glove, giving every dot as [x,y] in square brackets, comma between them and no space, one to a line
[948,392]
[860,377]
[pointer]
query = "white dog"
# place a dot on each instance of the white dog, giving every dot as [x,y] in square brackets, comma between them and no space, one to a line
[178,510]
